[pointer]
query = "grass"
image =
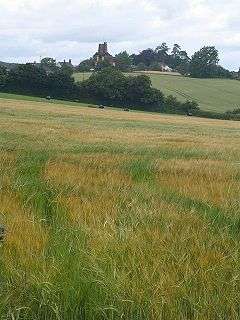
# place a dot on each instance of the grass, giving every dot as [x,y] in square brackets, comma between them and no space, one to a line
[11,96]
[217,95]
[114,215]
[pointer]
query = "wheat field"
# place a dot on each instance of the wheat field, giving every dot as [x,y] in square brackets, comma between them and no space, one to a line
[117,215]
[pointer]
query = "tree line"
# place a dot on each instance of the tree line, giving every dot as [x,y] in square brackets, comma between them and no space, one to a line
[107,86]
[203,64]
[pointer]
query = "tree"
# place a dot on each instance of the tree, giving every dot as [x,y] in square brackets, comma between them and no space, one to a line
[49,64]
[35,80]
[145,57]
[173,105]
[204,62]
[111,86]
[61,85]
[124,61]
[179,60]
[156,66]
[176,50]
[107,85]
[103,65]
[28,78]
[183,68]
[162,48]
[86,65]
[67,69]
[162,53]
[137,86]
[139,92]
[3,76]
[141,67]
[220,72]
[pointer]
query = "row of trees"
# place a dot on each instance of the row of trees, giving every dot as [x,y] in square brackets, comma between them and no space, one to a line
[33,79]
[108,86]
[203,64]
[50,65]
[111,86]
[153,59]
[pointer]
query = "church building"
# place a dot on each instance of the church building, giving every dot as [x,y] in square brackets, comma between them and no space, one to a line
[103,55]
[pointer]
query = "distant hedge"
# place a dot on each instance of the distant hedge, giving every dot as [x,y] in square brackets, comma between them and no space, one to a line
[229,115]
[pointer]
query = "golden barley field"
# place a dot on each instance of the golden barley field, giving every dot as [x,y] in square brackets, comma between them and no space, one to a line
[117,215]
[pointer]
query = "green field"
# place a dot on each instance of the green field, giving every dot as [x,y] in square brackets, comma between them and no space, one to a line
[117,215]
[217,95]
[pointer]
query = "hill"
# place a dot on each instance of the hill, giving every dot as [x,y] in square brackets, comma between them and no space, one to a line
[217,95]
[117,215]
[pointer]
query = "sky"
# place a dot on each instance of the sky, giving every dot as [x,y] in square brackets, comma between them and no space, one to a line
[63,29]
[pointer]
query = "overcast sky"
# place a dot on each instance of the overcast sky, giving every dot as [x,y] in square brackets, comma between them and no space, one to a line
[73,28]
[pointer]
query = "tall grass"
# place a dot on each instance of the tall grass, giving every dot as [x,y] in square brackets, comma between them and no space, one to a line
[117,216]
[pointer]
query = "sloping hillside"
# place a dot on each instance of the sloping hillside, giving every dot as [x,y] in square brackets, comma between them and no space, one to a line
[212,94]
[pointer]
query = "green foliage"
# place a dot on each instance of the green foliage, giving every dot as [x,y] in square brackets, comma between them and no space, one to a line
[162,53]
[173,105]
[146,57]
[156,66]
[49,64]
[150,59]
[3,76]
[176,50]
[86,65]
[111,86]
[139,92]
[235,111]
[103,65]
[106,85]
[183,68]
[27,78]
[124,61]
[220,72]
[61,85]
[233,115]
[141,67]
[35,80]
[179,60]
[204,63]
[67,69]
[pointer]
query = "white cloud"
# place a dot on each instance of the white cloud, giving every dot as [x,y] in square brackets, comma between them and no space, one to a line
[63,28]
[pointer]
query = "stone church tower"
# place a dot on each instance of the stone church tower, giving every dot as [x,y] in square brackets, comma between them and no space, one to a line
[103,55]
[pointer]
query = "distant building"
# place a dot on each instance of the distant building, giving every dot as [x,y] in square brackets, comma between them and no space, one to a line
[164,67]
[66,63]
[103,55]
